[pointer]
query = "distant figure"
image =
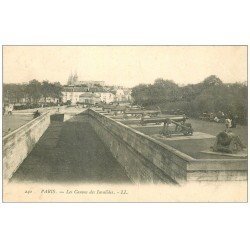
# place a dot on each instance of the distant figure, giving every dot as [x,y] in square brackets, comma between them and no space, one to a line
[36,114]
[221,115]
[58,107]
[10,109]
[228,124]
[216,119]
[230,116]
[211,116]
[234,121]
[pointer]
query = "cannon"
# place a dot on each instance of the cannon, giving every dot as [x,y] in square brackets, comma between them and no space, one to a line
[107,107]
[134,112]
[228,142]
[181,127]
[118,109]
[113,108]
[141,113]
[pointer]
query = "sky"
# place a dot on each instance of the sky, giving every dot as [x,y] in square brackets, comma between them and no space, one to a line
[124,65]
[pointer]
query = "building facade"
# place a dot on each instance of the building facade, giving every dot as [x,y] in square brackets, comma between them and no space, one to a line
[80,91]
[89,98]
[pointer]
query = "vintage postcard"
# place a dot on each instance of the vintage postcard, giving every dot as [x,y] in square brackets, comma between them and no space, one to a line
[125,124]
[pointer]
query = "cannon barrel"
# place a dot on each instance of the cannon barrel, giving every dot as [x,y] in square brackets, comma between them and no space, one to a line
[165,119]
[183,126]
[133,112]
[118,108]
[152,112]
[137,112]
[228,142]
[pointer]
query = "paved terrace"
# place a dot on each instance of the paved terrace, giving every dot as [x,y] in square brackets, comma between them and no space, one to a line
[204,137]
[81,149]
[70,152]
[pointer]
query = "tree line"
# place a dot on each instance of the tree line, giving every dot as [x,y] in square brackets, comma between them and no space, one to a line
[31,92]
[210,96]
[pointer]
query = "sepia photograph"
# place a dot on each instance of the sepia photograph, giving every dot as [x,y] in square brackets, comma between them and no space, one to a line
[125,123]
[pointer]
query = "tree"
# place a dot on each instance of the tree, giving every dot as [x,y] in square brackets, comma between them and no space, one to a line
[159,92]
[212,80]
[13,93]
[53,90]
[34,90]
[210,95]
[57,90]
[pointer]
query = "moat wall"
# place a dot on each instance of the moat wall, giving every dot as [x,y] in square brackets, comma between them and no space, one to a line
[19,143]
[148,160]
[144,159]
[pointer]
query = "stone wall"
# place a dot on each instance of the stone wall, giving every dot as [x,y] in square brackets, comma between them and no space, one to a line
[19,143]
[148,160]
[217,170]
[144,158]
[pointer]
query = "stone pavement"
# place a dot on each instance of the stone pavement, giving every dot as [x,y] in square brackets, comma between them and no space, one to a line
[70,152]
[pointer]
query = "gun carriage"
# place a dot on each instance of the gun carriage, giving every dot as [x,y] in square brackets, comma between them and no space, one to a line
[179,122]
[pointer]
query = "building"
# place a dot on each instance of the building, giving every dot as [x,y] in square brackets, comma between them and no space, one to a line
[89,98]
[73,94]
[82,91]
[106,97]
[123,95]
[49,100]
[73,81]
[75,91]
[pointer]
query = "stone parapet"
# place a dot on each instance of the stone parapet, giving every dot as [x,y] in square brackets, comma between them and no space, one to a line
[19,143]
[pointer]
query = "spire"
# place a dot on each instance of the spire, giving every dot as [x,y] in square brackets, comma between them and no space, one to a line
[70,79]
[75,78]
